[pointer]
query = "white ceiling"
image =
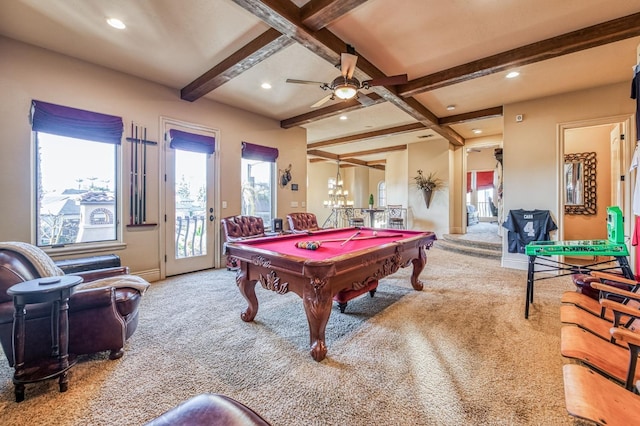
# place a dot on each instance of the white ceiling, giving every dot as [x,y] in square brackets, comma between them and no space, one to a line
[174,42]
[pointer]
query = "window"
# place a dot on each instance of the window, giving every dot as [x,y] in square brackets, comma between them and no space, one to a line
[382,194]
[76,199]
[480,192]
[76,175]
[258,177]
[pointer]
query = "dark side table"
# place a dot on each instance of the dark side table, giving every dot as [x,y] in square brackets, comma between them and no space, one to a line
[57,291]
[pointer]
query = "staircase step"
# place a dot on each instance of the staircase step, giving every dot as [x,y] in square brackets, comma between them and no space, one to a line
[473,248]
[453,239]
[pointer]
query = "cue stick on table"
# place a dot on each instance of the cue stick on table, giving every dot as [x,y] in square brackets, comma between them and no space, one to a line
[350,238]
[366,237]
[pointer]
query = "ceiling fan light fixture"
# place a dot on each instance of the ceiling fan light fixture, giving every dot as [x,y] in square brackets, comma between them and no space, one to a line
[345,92]
[345,88]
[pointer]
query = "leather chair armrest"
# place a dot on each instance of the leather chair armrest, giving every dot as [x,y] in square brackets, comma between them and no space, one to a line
[97,274]
[6,313]
[92,298]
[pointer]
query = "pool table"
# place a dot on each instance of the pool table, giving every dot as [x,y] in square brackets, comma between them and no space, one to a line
[347,258]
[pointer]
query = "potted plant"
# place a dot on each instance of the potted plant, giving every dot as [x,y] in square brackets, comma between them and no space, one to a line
[370,201]
[427,184]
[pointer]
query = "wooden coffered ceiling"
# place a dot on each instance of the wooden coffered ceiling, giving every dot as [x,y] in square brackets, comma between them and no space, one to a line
[454,54]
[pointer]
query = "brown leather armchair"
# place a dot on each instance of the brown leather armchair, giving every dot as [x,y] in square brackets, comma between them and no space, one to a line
[102,315]
[238,228]
[300,223]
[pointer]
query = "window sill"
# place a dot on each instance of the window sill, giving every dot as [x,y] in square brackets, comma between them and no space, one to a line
[142,225]
[75,249]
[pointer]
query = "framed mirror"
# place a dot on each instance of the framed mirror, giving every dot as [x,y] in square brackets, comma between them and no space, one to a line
[580,183]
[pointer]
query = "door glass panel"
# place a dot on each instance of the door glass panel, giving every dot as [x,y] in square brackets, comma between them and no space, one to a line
[191,202]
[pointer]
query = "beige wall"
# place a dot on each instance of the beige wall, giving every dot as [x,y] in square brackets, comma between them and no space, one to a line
[481,161]
[531,159]
[397,177]
[433,156]
[531,151]
[28,73]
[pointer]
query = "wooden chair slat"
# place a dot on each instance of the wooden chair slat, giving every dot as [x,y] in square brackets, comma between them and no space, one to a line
[571,314]
[585,302]
[591,396]
[608,358]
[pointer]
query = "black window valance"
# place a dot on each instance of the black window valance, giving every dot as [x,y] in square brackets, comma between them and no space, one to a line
[191,142]
[75,123]
[258,152]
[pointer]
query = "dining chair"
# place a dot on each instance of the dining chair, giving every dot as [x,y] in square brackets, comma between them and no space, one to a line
[395,216]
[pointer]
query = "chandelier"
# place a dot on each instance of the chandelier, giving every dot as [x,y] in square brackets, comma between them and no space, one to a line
[338,196]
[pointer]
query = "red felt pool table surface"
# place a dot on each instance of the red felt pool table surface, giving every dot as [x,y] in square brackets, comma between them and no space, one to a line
[319,275]
[332,242]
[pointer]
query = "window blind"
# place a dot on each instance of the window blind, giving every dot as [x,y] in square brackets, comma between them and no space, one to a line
[75,123]
[186,141]
[258,152]
[484,180]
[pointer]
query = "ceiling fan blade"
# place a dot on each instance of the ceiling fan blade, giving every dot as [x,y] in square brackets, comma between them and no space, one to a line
[364,99]
[322,101]
[348,64]
[292,80]
[386,81]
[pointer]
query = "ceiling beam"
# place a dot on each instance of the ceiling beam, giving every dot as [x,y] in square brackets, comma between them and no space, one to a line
[284,16]
[472,116]
[319,13]
[374,162]
[575,41]
[371,165]
[259,49]
[374,151]
[336,157]
[330,111]
[398,130]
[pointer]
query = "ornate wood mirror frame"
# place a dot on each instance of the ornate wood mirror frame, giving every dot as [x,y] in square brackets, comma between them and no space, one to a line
[580,183]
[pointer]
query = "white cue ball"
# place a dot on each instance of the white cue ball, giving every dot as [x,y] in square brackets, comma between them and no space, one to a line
[375,233]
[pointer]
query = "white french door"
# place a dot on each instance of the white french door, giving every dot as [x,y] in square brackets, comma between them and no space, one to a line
[190,204]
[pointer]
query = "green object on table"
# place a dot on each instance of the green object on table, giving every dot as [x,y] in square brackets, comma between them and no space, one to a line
[371,199]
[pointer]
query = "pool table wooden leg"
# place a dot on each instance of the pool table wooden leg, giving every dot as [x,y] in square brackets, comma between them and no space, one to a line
[317,301]
[248,290]
[418,266]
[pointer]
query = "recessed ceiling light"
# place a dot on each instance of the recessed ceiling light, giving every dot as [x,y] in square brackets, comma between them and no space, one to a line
[451,107]
[265,86]
[343,117]
[476,131]
[513,74]
[116,23]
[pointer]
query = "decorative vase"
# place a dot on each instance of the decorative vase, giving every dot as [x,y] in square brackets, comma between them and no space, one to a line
[427,193]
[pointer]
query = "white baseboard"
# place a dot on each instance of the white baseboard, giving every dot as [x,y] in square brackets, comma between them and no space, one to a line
[150,275]
[521,263]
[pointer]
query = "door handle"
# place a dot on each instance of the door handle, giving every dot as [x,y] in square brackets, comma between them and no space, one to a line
[211,218]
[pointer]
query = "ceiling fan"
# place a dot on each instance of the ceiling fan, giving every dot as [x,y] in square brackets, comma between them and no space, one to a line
[346,86]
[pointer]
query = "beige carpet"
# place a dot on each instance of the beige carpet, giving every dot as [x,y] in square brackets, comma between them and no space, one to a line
[458,353]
